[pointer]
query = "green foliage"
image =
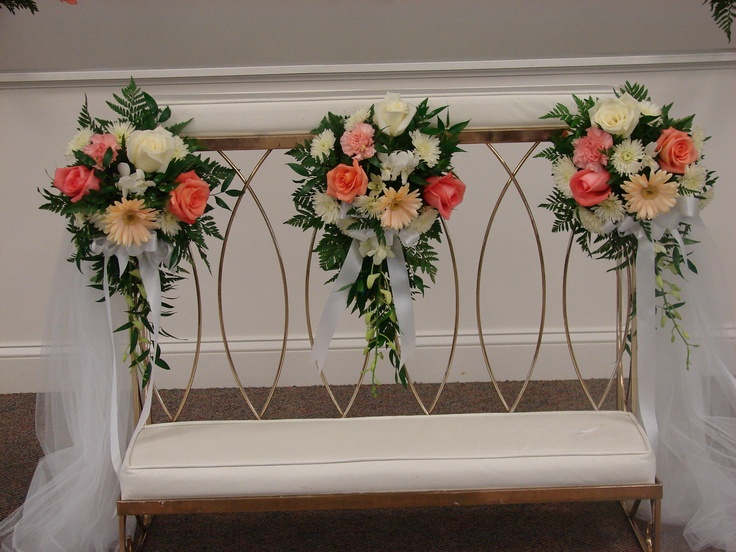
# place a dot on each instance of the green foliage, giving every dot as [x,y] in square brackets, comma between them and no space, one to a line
[597,230]
[370,295]
[723,13]
[12,5]
[85,214]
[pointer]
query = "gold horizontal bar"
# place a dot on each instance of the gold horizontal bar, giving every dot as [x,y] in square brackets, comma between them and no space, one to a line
[288,141]
[391,499]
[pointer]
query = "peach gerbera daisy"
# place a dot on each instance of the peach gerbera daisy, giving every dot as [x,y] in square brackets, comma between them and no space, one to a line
[397,208]
[128,222]
[649,197]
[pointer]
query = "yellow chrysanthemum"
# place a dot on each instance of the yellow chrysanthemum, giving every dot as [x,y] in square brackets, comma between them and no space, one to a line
[649,197]
[128,222]
[398,207]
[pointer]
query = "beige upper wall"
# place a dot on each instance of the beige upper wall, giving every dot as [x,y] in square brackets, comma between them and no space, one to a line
[166,34]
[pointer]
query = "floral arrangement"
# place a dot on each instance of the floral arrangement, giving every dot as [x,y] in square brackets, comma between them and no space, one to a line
[134,192]
[627,173]
[378,181]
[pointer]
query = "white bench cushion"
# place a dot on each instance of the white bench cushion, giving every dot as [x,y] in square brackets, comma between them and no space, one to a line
[403,453]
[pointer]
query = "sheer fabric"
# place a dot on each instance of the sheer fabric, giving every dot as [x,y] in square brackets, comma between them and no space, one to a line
[71,503]
[696,409]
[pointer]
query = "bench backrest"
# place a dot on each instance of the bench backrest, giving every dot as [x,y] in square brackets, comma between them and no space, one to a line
[504,287]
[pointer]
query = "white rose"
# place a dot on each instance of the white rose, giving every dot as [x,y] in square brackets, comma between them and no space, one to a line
[151,150]
[617,116]
[393,115]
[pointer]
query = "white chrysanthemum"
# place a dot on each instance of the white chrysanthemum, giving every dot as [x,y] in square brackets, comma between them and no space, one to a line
[694,178]
[424,221]
[627,156]
[649,109]
[706,197]
[611,209]
[562,171]
[326,207]
[180,148]
[322,145]
[590,221]
[427,147]
[97,221]
[698,137]
[80,139]
[360,116]
[79,220]
[365,205]
[121,130]
[168,223]
[650,152]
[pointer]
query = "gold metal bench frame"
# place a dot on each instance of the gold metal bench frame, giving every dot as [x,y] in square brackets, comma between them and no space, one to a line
[623,380]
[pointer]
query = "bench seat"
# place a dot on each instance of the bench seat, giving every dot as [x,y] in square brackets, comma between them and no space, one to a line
[386,454]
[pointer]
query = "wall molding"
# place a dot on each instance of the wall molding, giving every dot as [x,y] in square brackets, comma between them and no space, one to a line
[378,71]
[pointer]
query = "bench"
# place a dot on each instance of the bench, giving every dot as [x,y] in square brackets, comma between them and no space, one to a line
[389,461]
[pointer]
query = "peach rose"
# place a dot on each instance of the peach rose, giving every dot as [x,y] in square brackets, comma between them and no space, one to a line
[98,146]
[345,182]
[189,199]
[444,193]
[590,187]
[76,181]
[676,151]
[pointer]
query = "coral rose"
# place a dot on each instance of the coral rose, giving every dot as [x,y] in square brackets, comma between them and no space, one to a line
[676,151]
[188,200]
[444,193]
[590,187]
[345,182]
[76,181]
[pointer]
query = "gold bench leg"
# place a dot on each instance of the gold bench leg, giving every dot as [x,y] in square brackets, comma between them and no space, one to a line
[649,537]
[135,543]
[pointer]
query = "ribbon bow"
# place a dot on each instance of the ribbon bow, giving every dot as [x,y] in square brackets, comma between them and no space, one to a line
[150,256]
[685,210]
[400,291]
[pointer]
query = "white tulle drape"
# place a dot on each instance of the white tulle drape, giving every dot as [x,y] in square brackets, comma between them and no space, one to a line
[71,503]
[696,408]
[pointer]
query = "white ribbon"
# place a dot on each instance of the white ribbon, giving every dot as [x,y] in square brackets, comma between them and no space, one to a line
[685,209]
[150,256]
[400,291]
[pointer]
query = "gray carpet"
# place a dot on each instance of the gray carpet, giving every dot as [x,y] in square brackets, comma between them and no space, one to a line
[548,527]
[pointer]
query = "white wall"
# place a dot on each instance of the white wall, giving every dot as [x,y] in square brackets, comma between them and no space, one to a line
[42,88]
